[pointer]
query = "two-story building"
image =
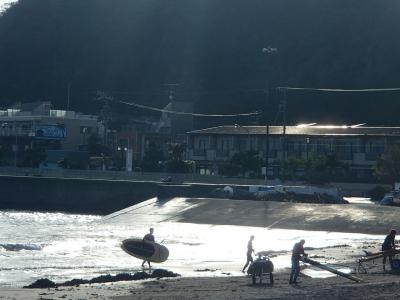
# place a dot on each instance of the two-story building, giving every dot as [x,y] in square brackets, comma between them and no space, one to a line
[357,146]
[28,125]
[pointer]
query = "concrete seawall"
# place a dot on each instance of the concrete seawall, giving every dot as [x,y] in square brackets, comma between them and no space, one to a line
[89,196]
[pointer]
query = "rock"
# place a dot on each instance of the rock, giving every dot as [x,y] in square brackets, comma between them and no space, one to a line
[161,273]
[41,284]
[157,273]
[102,279]
[74,282]
[140,276]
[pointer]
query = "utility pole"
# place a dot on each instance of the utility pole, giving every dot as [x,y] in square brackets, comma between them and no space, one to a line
[282,110]
[268,51]
[68,94]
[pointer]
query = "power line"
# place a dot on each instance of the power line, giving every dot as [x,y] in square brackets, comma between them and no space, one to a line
[337,90]
[186,113]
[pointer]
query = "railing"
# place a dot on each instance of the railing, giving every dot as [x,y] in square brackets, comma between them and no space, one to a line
[122,175]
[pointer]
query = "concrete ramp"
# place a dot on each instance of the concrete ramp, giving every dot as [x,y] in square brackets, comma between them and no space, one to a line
[356,218]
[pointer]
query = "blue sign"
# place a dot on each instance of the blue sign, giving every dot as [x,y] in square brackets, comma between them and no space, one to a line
[51,132]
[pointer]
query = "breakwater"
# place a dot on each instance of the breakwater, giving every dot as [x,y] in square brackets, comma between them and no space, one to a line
[87,196]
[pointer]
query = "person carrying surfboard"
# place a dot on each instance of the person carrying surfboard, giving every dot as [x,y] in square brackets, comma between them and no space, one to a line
[298,250]
[250,250]
[148,237]
[388,244]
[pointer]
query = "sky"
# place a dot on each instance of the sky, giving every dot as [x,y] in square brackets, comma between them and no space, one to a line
[2,2]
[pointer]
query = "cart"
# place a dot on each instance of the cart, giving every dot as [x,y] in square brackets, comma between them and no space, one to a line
[261,267]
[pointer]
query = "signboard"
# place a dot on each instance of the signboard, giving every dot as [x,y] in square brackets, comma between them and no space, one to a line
[51,132]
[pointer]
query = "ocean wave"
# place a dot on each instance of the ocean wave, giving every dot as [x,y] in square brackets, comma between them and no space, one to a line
[19,247]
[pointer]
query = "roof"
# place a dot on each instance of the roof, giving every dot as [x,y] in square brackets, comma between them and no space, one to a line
[299,130]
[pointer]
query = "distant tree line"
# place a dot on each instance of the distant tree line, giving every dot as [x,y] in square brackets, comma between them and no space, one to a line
[213,49]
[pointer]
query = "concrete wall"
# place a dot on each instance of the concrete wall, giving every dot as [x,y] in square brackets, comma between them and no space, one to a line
[72,195]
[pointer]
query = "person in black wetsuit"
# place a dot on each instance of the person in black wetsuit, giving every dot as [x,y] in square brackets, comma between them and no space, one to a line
[388,244]
[298,250]
[148,237]
[250,250]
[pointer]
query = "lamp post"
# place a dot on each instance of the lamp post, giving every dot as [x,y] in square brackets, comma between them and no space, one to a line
[267,51]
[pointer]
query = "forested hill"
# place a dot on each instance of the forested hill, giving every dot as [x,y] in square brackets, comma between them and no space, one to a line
[212,48]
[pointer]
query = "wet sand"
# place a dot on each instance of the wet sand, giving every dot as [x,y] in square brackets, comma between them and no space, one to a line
[375,286]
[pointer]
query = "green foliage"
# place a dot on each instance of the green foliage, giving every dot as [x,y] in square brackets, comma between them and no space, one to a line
[388,166]
[378,192]
[176,164]
[242,163]
[325,168]
[222,68]
[153,159]
[4,155]
[293,165]
[32,158]
[95,147]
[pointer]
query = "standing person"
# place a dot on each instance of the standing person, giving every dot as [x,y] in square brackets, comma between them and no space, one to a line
[297,251]
[148,237]
[388,244]
[250,250]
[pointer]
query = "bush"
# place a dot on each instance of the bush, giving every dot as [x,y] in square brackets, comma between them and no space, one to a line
[378,192]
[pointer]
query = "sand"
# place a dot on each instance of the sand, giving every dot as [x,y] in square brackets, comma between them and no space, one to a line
[375,286]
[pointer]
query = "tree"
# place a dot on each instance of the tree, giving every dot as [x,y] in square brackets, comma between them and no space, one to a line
[293,165]
[153,159]
[388,165]
[176,164]
[241,163]
[33,157]
[325,168]
[95,147]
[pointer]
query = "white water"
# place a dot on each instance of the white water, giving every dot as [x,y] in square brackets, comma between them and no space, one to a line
[64,246]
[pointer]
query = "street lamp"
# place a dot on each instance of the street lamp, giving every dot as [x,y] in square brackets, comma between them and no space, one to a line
[268,51]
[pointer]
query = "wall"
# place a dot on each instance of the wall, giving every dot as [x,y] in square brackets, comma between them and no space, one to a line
[89,196]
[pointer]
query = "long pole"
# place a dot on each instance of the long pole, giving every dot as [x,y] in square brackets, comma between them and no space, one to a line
[16,146]
[268,51]
[332,270]
[266,154]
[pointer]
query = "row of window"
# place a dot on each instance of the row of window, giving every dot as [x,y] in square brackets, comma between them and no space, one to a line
[303,145]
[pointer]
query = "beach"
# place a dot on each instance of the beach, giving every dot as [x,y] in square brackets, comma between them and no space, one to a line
[207,241]
[375,286]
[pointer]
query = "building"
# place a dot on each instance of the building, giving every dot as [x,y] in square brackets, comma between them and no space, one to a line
[26,126]
[357,146]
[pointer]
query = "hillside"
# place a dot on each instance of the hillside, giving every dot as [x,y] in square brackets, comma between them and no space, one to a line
[212,48]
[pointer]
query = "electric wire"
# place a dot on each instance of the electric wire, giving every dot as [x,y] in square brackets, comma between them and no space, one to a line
[186,113]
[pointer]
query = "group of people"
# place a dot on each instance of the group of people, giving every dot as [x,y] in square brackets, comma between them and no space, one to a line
[298,251]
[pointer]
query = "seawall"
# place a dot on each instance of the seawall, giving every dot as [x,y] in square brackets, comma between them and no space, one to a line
[88,196]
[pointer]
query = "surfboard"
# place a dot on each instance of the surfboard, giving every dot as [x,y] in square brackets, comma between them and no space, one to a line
[145,250]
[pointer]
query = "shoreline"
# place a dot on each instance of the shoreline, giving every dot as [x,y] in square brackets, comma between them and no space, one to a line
[375,286]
